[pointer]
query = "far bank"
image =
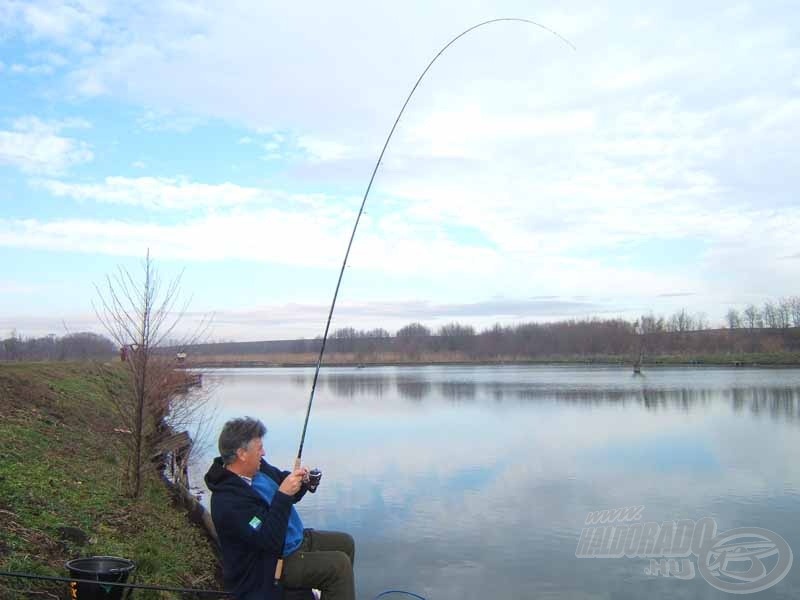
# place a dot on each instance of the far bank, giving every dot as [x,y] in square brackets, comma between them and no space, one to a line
[349,359]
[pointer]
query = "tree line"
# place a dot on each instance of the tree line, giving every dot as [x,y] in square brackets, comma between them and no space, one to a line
[73,346]
[774,314]
[772,327]
[682,332]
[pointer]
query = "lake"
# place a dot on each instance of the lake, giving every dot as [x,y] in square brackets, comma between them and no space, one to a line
[468,482]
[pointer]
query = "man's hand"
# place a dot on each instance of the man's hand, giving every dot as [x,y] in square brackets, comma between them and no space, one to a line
[291,485]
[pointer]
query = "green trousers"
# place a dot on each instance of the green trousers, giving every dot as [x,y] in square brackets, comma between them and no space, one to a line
[324,561]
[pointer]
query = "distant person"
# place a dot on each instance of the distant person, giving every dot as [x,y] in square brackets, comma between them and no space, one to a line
[252,506]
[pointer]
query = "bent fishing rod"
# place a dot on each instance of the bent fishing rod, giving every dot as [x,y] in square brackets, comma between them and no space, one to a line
[366,194]
[298,459]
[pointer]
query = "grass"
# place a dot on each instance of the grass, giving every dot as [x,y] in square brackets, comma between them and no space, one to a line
[61,466]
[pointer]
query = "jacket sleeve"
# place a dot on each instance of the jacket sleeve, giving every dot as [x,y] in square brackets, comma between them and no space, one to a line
[279,476]
[254,524]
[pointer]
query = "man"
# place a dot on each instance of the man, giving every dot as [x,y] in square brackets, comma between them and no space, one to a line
[252,506]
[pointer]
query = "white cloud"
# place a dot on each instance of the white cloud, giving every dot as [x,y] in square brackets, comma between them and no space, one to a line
[139,164]
[269,235]
[154,120]
[539,166]
[41,69]
[35,146]
[51,58]
[42,63]
[69,23]
[322,150]
[11,287]
[471,132]
[156,193]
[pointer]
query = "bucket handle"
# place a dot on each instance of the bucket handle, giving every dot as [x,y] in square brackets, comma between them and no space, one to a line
[128,591]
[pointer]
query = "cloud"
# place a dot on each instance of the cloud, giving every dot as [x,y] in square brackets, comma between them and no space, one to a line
[276,235]
[11,287]
[474,133]
[280,146]
[35,146]
[66,23]
[155,193]
[411,310]
[42,63]
[42,69]
[154,120]
[323,150]
[294,319]
[544,170]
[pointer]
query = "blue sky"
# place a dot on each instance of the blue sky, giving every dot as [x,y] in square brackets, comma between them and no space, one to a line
[654,168]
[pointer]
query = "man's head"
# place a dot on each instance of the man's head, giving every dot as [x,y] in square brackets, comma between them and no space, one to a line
[240,445]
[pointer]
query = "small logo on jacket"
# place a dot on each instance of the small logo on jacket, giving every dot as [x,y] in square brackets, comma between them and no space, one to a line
[255,523]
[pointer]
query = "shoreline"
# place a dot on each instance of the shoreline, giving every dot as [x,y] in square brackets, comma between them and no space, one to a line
[754,361]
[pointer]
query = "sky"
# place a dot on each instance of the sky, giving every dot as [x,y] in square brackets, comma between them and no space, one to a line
[652,168]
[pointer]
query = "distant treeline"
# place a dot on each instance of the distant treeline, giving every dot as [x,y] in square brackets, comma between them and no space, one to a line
[680,333]
[74,346]
[779,314]
[773,327]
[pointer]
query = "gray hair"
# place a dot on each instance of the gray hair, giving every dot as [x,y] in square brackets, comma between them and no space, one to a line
[236,434]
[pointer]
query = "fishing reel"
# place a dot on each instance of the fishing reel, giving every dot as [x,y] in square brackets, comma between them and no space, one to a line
[311,481]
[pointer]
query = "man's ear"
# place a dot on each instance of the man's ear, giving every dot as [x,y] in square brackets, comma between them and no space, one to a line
[240,453]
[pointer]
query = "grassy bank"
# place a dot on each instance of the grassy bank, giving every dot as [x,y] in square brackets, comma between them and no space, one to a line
[457,358]
[60,467]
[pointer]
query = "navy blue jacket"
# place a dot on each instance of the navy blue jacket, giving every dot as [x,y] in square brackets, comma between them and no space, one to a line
[251,531]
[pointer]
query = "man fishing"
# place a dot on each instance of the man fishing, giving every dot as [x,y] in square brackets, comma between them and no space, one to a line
[251,503]
[252,506]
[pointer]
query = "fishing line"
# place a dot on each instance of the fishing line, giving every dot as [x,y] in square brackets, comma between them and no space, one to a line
[366,194]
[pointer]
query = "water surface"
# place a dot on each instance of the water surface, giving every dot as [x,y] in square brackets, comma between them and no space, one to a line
[475,482]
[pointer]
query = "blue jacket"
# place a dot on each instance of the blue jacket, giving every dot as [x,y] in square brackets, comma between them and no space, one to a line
[251,531]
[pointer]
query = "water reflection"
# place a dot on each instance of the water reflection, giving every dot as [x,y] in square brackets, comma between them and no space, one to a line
[777,401]
[413,389]
[458,391]
[346,386]
[474,482]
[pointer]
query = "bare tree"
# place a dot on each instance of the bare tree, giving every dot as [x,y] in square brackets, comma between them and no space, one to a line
[733,318]
[794,303]
[784,313]
[681,321]
[413,339]
[140,314]
[752,317]
[770,313]
[413,330]
[12,344]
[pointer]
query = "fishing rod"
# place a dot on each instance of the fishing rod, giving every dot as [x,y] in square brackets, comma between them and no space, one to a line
[297,461]
[313,477]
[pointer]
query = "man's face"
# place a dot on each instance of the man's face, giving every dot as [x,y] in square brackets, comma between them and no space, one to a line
[252,456]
